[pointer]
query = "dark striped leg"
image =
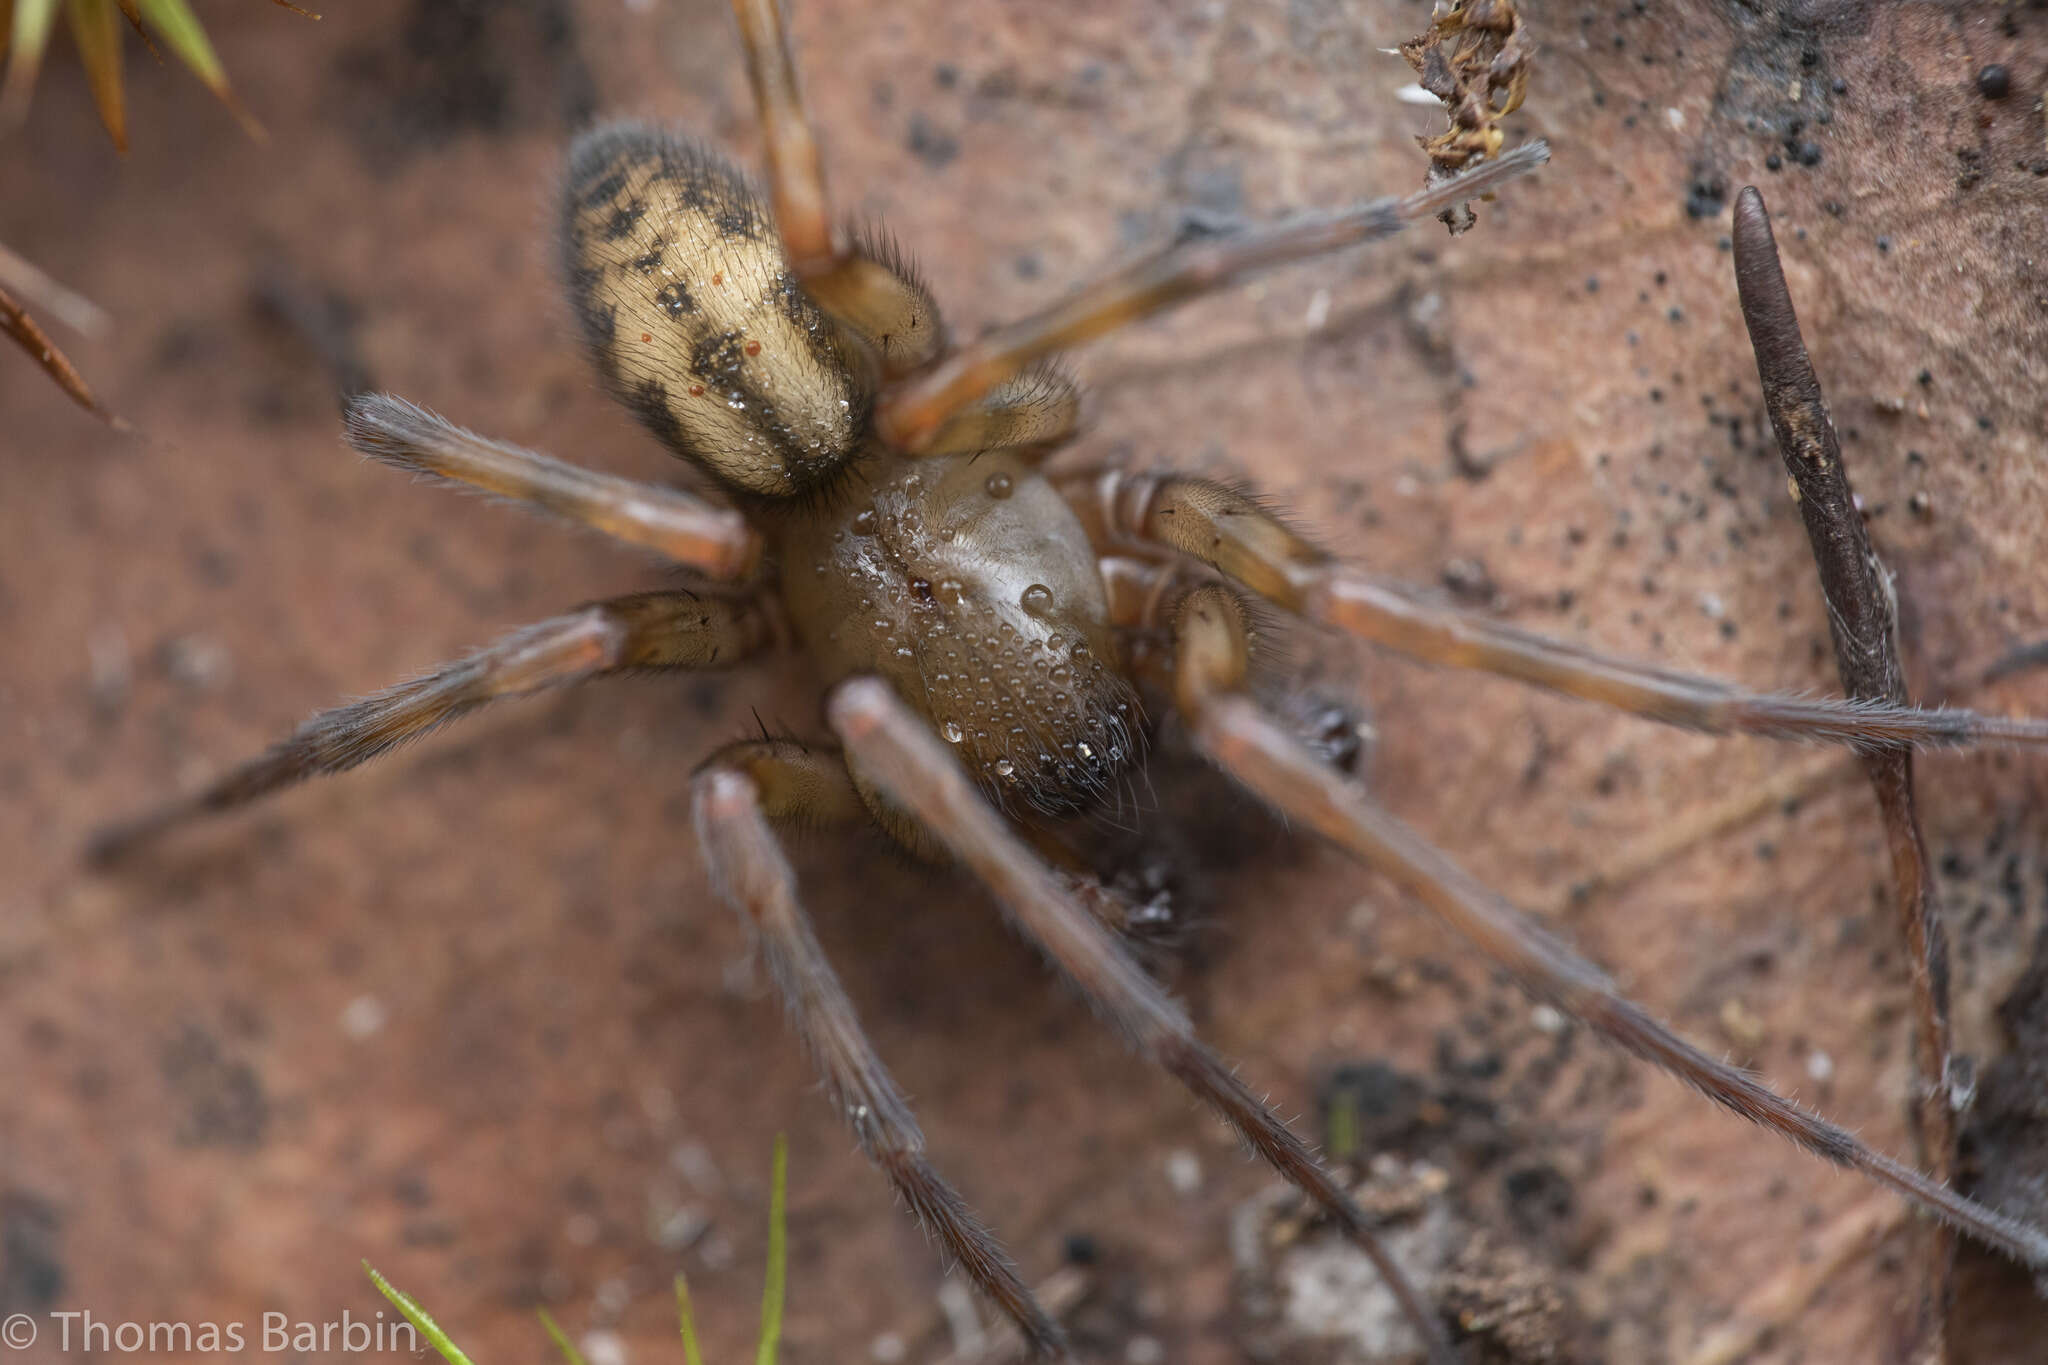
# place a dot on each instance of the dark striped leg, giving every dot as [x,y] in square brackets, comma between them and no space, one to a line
[655,630]
[912,412]
[862,283]
[894,748]
[1233,534]
[711,539]
[1249,745]
[736,795]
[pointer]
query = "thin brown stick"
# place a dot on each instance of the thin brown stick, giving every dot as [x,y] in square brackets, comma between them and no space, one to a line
[1863,618]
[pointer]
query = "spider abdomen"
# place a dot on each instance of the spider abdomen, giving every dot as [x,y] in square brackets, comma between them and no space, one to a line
[968,583]
[695,321]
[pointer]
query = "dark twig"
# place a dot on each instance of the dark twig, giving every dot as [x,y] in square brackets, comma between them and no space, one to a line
[1862,615]
[16,324]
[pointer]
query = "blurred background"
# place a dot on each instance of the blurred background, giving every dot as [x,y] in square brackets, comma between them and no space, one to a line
[473,1013]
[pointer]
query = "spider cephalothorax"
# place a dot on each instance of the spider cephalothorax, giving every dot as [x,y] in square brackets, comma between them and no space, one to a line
[986,623]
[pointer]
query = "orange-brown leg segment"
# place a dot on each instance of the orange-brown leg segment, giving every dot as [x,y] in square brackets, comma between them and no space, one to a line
[911,413]
[1231,533]
[1256,751]
[860,283]
[713,540]
[893,748]
[655,630]
[735,797]
[1037,411]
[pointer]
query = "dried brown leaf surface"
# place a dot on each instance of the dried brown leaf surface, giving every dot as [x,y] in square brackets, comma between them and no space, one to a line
[475,1013]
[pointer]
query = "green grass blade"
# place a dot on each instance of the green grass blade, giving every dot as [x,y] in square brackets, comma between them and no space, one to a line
[692,1355]
[778,1256]
[179,27]
[561,1340]
[417,1316]
[30,33]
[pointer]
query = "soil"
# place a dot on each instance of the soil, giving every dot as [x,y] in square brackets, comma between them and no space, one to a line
[473,1013]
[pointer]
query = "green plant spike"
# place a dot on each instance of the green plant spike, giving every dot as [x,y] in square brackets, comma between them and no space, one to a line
[778,1256]
[417,1316]
[180,29]
[561,1339]
[26,38]
[692,1353]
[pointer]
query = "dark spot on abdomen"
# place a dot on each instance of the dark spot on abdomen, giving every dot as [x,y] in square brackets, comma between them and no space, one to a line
[625,220]
[716,357]
[737,222]
[649,402]
[675,300]
[603,192]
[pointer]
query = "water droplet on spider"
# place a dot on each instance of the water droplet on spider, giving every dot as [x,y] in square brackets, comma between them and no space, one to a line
[1084,750]
[952,591]
[1005,768]
[998,485]
[952,731]
[864,522]
[1036,599]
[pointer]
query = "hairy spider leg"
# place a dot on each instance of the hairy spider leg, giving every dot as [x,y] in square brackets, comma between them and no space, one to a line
[1234,535]
[891,745]
[713,540]
[911,413]
[857,278]
[734,797]
[1212,652]
[652,630]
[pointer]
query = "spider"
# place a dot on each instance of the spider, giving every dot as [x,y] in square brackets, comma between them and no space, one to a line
[986,622]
